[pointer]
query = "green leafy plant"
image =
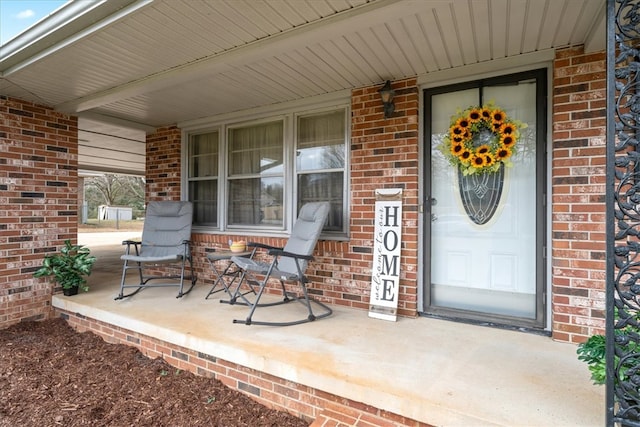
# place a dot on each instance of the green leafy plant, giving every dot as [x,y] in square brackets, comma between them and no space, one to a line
[592,352]
[69,267]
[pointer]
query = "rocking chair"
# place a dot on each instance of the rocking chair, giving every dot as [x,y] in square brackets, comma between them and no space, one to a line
[288,264]
[165,242]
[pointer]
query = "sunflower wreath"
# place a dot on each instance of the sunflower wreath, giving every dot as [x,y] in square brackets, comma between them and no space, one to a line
[481,139]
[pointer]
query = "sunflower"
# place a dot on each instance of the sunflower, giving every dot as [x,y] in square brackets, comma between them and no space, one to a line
[461,143]
[456,149]
[457,139]
[507,140]
[503,153]
[507,129]
[463,123]
[483,149]
[475,115]
[465,156]
[457,130]
[489,160]
[478,162]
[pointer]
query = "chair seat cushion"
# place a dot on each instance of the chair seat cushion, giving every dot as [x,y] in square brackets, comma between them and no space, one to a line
[165,258]
[262,268]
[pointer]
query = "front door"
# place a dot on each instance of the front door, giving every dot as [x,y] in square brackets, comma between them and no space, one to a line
[485,230]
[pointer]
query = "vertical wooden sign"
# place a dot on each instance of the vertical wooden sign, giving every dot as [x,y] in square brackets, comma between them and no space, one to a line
[385,274]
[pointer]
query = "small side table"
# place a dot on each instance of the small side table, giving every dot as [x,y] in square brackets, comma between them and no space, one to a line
[228,270]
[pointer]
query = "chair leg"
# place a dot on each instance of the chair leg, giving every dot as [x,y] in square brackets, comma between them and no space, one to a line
[124,277]
[255,304]
[311,316]
[192,276]
[125,268]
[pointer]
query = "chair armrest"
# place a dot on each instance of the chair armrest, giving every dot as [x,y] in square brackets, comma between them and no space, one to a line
[280,252]
[262,246]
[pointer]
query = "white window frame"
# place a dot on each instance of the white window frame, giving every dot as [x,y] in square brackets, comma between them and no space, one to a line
[289,117]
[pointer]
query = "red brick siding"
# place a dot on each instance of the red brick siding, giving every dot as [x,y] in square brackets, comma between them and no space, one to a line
[273,392]
[578,181]
[38,202]
[384,154]
[163,164]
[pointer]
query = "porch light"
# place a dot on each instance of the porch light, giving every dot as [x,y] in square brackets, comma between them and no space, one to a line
[387,94]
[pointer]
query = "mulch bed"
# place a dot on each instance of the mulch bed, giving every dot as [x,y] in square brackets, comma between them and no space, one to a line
[52,375]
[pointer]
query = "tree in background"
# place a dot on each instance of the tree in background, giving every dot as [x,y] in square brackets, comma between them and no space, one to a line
[114,190]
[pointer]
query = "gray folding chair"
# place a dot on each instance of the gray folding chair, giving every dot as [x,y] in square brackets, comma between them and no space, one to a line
[288,264]
[166,243]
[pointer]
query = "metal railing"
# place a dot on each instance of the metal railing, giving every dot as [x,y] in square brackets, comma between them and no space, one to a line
[623,213]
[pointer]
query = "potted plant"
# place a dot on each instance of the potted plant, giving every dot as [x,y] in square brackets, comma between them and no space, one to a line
[68,268]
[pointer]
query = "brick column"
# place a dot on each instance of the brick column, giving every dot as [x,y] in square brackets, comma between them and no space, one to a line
[384,154]
[38,202]
[163,164]
[578,224]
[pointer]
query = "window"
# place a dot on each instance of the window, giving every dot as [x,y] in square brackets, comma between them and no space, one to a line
[203,177]
[256,176]
[320,160]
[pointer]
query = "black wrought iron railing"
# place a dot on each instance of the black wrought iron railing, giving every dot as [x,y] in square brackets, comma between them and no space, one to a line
[623,213]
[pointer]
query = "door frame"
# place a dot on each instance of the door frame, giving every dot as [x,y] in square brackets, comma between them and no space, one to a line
[540,322]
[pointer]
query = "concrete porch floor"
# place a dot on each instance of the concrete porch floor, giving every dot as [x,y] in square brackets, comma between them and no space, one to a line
[439,372]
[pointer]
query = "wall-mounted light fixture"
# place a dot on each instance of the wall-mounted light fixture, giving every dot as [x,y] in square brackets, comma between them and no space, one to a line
[387,94]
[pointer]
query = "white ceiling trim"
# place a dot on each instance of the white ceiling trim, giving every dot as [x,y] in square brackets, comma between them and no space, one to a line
[72,14]
[115,121]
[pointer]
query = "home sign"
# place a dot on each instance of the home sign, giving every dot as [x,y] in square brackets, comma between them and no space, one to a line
[385,273]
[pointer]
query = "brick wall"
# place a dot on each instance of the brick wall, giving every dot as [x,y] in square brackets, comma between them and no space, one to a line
[38,202]
[578,209]
[163,164]
[302,401]
[384,154]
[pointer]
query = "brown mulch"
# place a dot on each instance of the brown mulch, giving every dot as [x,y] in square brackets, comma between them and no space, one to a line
[51,375]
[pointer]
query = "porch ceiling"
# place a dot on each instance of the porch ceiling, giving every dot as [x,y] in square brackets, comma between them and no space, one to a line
[148,63]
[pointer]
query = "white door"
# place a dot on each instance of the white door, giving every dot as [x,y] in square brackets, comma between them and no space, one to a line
[490,268]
